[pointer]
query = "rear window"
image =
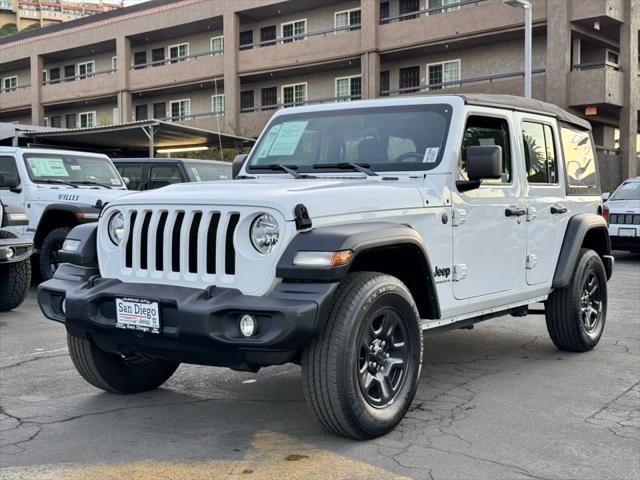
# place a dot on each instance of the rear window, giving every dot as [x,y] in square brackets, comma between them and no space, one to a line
[580,161]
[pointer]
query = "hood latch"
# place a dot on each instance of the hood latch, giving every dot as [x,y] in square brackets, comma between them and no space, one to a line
[302,218]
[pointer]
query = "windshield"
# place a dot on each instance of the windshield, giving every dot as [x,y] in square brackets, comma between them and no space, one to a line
[627,191]
[384,138]
[199,172]
[72,169]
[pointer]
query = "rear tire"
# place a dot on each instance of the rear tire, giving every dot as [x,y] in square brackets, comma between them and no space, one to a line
[48,258]
[361,373]
[16,279]
[116,373]
[576,314]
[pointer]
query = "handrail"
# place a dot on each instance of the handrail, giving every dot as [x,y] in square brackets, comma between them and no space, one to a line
[299,36]
[191,116]
[275,106]
[183,58]
[595,65]
[457,83]
[13,89]
[80,76]
[428,11]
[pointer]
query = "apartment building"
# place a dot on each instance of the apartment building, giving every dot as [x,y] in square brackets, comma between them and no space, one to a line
[229,64]
[24,13]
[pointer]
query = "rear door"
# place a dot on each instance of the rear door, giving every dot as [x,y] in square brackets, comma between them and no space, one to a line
[545,201]
[134,172]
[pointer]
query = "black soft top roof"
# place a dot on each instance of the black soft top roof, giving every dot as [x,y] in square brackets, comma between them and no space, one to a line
[170,161]
[524,105]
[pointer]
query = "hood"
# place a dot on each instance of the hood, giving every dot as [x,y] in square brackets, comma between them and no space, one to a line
[623,206]
[321,196]
[76,196]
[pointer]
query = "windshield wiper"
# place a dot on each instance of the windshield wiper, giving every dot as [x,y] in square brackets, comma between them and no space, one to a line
[290,169]
[357,167]
[90,182]
[55,182]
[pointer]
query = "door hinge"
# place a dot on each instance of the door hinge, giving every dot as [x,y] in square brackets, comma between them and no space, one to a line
[532,261]
[459,272]
[459,217]
[531,214]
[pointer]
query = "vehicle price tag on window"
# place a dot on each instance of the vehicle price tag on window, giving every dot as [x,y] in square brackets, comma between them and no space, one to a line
[288,138]
[268,141]
[431,155]
[47,167]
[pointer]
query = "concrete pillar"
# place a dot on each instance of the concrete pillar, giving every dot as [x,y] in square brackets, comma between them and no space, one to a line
[631,103]
[231,25]
[604,135]
[123,64]
[558,51]
[370,58]
[37,110]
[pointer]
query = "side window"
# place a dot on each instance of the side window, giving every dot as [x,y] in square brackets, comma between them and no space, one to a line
[579,160]
[134,174]
[163,175]
[539,153]
[8,164]
[484,131]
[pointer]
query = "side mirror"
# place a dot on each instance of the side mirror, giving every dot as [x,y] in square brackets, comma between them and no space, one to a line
[9,180]
[237,164]
[484,162]
[605,196]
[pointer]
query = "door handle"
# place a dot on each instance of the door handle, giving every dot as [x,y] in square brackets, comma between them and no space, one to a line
[514,212]
[558,209]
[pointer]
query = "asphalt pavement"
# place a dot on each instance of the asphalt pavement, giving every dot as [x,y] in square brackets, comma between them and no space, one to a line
[496,402]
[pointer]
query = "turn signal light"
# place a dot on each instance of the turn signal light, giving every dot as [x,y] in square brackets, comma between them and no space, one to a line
[323,259]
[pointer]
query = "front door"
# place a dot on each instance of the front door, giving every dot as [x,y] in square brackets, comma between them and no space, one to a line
[489,222]
[547,209]
[16,197]
[266,34]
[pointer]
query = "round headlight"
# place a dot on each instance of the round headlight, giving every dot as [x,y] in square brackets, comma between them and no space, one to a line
[116,227]
[264,233]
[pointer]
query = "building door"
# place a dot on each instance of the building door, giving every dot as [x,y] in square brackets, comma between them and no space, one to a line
[54,75]
[72,120]
[409,6]
[246,39]
[246,100]
[139,60]
[384,83]
[409,77]
[157,56]
[160,110]
[70,73]
[269,98]
[384,12]
[266,34]
[141,112]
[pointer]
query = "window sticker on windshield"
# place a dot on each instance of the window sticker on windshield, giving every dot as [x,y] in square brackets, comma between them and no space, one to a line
[431,155]
[115,181]
[265,146]
[75,167]
[196,174]
[47,167]
[288,138]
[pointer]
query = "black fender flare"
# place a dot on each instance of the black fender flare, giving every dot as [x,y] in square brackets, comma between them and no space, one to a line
[82,212]
[359,238]
[578,229]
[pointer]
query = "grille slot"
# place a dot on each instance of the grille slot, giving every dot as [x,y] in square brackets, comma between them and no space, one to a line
[175,243]
[230,251]
[159,240]
[624,219]
[193,242]
[144,240]
[212,235]
[129,251]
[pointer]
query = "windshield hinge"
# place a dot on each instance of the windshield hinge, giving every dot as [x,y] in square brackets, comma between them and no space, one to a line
[302,218]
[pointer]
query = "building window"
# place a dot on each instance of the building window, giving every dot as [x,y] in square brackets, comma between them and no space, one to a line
[177,53]
[180,109]
[56,121]
[87,119]
[246,100]
[142,112]
[139,60]
[384,83]
[294,94]
[613,58]
[45,122]
[114,64]
[217,104]
[9,84]
[54,75]
[159,110]
[115,120]
[45,77]
[71,120]
[407,7]
[348,18]
[384,12]
[217,45]
[69,73]
[157,57]
[266,35]
[269,98]
[349,88]
[444,72]
[440,6]
[409,78]
[86,69]
[290,29]
[246,39]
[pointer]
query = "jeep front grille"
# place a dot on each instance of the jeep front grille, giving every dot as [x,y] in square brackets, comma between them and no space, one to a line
[183,241]
[624,219]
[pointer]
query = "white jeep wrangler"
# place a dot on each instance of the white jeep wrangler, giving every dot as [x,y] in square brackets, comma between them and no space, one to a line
[15,264]
[59,189]
[349,231]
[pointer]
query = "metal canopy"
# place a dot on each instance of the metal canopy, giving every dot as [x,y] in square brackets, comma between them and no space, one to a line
[146,135]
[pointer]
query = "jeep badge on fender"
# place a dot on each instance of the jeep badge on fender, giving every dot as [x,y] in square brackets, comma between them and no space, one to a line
[330,250]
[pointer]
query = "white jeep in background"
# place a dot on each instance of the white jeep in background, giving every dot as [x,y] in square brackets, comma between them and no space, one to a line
[622,212]
[349,231]
[15,264]
[59,189]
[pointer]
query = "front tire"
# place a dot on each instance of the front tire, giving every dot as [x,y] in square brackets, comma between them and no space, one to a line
[576,314]
[124,374]
[48,259]
[361,373]
[16,279]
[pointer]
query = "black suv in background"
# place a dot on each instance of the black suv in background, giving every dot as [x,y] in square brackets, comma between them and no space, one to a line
[150,173]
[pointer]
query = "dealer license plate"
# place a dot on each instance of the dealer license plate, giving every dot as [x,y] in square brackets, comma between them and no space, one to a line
[627,232]
[138,314]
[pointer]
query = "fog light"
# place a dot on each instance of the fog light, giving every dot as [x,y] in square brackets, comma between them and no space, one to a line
[70,245]
[10,252]
[248,325]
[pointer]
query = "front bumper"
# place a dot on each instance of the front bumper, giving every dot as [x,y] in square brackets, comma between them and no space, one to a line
[197,326]
[13,250]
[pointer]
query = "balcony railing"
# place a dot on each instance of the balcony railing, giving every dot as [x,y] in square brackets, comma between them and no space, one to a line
[191,116]
[595,65]
[14,89]
[276,106]
[456,83]
[183,58]
[84,76]
[300,36]
[431,11]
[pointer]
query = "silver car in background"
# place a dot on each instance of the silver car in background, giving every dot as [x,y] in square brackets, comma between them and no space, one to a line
[622,210]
